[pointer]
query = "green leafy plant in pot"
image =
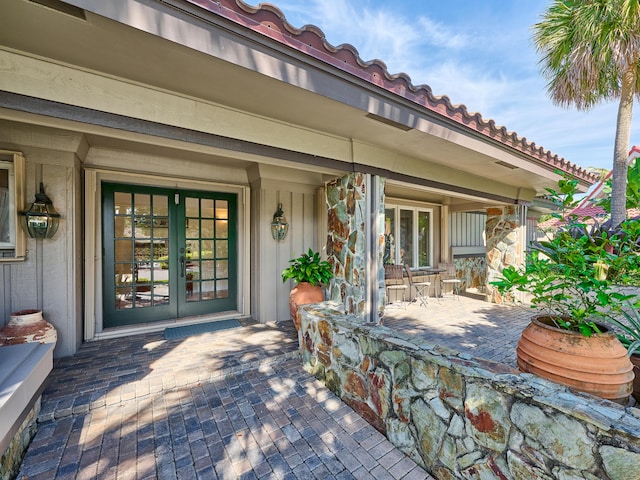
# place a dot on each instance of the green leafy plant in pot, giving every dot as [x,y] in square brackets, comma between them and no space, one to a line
[566,280]
[310,272]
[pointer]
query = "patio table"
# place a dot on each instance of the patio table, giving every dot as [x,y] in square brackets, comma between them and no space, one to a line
[430,272]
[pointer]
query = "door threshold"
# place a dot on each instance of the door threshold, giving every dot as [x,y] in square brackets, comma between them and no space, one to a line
[128,330]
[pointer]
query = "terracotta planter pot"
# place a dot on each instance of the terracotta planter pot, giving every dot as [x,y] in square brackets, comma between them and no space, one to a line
[303,294]
[598,365]
[26,326]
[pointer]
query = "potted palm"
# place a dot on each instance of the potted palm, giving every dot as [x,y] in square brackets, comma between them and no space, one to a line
[309,272]
[571,340]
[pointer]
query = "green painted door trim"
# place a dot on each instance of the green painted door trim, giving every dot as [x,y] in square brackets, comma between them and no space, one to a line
[145,261]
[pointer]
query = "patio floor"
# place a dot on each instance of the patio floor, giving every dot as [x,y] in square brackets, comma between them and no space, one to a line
[233,403]
[468,325]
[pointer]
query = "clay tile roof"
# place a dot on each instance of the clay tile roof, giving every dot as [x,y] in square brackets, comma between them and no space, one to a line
[588,214]
[269,20]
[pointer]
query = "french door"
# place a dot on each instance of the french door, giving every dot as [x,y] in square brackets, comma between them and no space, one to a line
[167,253]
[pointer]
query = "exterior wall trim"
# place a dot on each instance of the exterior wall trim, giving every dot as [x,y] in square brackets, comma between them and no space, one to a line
[50,108]
[93,247]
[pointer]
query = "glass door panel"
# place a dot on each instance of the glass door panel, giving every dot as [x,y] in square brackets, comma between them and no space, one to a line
[424,239]
[167,254]
[207,252]
[406,237]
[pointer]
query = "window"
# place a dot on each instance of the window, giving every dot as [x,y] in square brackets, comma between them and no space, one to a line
[408,236]
[12,239]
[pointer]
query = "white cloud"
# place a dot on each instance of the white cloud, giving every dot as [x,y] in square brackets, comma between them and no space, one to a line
[438,35]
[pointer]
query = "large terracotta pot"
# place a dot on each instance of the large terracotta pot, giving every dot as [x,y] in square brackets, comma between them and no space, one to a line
[598,365]
[303,294]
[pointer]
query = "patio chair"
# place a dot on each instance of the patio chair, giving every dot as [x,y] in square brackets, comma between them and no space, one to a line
[421,288]
[449,278]
[394,280]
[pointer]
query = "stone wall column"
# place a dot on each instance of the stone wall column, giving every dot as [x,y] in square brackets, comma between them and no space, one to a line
[505,238]
[355,243]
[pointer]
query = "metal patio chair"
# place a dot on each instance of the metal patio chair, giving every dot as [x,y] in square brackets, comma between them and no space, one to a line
[421,288]
[394,281]
[449,278]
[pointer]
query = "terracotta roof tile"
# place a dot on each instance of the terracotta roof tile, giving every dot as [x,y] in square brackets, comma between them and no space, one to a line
[268,20]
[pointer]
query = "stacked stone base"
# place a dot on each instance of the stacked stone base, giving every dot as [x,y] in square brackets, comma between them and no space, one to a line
[15,451]
[463,418]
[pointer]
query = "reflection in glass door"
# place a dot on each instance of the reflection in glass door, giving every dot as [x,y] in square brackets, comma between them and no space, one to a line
[167,254]
[205,253]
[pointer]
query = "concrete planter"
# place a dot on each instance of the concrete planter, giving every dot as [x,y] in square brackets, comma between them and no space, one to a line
[598,365]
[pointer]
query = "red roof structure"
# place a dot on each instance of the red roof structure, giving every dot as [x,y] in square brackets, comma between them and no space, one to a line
[586,209]
[268,20]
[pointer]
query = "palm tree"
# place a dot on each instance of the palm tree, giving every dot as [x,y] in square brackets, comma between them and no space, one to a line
[591,52]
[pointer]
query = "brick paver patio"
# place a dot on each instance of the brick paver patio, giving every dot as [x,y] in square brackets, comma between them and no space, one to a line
[468,325]
[233,404]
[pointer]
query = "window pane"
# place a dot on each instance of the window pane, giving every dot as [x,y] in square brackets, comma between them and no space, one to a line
[122,203]
[389,236]
[207,249]
[208,290]
[160,205]
[207,270]
[424,238]
[142,203]
[222,289]
[6,203]
[406,237]
[207,208]
[222,209]
[222,249]
[193,207]
[207,229]
[123,251]
[222,228]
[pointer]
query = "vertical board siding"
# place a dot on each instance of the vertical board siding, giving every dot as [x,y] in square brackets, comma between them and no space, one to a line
[532,231]
[271,293]
[466,229]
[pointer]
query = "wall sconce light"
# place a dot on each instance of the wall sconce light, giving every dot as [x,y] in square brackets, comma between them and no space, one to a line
[40,219]
[279,226]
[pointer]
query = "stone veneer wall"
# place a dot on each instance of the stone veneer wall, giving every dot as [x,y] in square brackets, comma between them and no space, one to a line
[465,418]
[14,453]
[503,245]
[472,271]
[347,237]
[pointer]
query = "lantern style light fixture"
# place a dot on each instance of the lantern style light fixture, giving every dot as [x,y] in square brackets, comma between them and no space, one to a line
[279,225]
[40,219]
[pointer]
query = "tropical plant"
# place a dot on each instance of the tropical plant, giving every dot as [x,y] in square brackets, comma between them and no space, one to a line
[568,275]
[633,189]
[590,53]
[629,328]
[310,268]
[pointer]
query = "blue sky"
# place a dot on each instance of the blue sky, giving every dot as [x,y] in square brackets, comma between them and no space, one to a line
[478,53]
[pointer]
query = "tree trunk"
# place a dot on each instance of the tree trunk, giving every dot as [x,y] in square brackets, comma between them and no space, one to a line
[621,149]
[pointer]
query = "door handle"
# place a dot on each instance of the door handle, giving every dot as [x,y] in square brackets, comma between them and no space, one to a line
[182,266]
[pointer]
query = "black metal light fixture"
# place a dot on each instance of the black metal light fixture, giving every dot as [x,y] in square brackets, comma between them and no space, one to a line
[279,225]
[40,219]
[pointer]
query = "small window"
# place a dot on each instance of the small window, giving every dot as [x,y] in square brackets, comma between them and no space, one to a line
[408,236]
[12,239]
